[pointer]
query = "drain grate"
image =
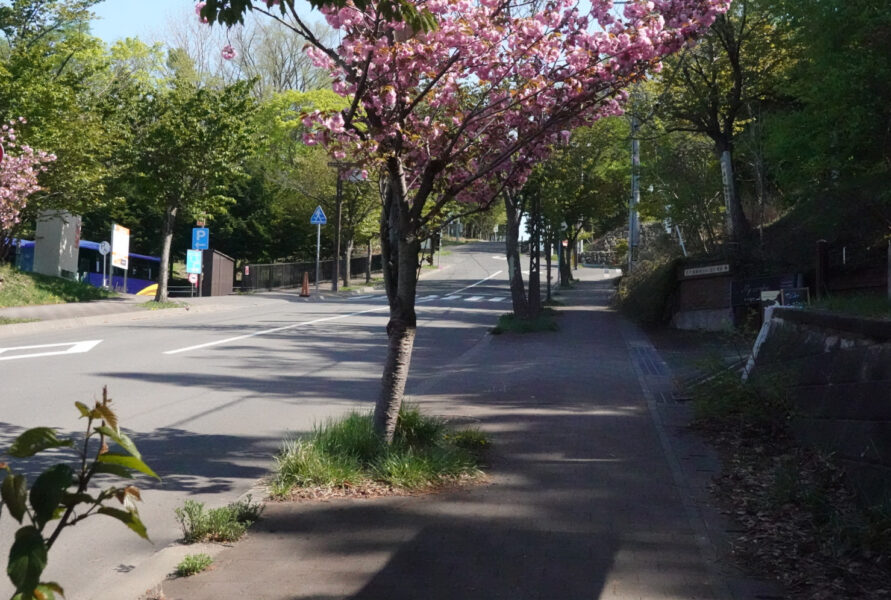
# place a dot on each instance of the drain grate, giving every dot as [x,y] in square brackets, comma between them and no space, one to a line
[649,361]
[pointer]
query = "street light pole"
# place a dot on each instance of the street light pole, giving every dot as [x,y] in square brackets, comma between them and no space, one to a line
[633,217]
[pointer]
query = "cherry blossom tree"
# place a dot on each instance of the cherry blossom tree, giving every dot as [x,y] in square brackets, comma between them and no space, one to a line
[19,168]
[462,111]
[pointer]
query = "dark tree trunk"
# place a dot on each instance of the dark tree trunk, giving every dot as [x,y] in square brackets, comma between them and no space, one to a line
[563,257]
[535,258]
[368,264]
[548,250]
[512,250]
[400,249]
[736,224]
[347,260]
[167,237]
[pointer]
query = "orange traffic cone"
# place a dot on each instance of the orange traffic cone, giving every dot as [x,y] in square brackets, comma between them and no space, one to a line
[305,291]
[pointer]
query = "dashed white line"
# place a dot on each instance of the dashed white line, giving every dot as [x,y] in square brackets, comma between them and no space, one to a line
[495,299]
[473,299]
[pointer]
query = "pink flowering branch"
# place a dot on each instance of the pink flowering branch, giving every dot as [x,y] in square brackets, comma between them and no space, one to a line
[19,171]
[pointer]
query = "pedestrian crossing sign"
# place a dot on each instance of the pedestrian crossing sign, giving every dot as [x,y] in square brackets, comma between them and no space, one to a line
[318,217]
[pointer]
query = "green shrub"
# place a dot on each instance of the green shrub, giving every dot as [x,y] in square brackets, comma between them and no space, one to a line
[224,524]
[762,401]
[192,564]
[510,322]
[346,454]
[644,294]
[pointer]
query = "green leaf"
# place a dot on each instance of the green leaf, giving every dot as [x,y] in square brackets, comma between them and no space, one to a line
[84,409]
[73,499]
[36,440]
[14,492]
[113,469]
[27,560]
[120,438]
[47,492]
[110,417]
[130,462]
[129,518]
[48,591]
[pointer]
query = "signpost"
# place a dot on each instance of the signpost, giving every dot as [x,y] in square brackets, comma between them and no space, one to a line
[104,249]
[200,238]
[318,219]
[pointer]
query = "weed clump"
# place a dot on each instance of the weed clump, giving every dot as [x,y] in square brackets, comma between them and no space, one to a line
[224,524]
[346,456]
[193,564]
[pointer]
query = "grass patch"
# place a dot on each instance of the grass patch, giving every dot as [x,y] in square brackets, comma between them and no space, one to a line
[193,564]
[154,305]
[345,455]
[553,302]
[224,524]
[861,305]
[801,521]
[509,322]
[23,289]
[8,321]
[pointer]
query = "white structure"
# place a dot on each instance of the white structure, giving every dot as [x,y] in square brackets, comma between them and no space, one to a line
[56,244]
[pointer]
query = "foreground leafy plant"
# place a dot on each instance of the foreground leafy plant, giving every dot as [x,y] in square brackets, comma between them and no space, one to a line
[51,499]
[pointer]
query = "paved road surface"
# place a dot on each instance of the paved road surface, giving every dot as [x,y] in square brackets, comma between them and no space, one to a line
[208,395]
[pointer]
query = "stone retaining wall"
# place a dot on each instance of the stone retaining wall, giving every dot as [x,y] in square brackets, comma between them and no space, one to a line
[840,372]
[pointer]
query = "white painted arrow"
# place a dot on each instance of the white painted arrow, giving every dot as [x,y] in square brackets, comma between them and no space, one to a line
[70,348]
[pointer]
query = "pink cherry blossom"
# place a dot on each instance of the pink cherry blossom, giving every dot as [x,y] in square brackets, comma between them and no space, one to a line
[18,176]
[228,52]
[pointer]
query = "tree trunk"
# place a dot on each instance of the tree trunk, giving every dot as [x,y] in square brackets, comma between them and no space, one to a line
[548,250]
[167,236]
[347,260]
[335,276]
[400,250]
[565,270]
[535,258]
[368,264]
[736,224]
[512,251]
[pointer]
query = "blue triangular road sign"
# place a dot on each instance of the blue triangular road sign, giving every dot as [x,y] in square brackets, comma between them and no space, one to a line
[318,217]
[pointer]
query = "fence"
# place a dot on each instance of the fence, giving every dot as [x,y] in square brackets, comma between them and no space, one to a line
[284,275]
[853,268]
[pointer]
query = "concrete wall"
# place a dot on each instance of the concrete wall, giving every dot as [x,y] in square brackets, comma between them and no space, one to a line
[56,244]
[840,372]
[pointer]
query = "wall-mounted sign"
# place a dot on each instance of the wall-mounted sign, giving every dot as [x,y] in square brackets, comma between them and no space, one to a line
[712,270]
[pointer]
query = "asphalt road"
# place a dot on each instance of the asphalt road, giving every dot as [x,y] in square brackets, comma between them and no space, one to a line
[209,395]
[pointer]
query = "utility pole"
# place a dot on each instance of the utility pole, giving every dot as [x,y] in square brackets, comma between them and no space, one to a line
[633,216]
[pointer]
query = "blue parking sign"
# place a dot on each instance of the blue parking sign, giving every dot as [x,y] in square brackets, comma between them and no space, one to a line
[200,238]
[193,261]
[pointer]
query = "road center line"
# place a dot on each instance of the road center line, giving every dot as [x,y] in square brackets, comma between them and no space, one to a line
[275,330]
[478,282]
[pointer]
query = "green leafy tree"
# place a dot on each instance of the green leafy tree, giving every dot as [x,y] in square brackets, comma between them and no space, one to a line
[54,73]
[715,87]
[189,148]
[834,127]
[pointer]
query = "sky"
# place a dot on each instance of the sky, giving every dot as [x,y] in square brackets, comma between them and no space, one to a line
[116,19]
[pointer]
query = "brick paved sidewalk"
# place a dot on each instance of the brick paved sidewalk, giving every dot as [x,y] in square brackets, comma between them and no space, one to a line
[585,501]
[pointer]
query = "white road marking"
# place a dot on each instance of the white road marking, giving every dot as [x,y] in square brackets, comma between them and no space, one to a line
[452,297]
[495,299]
[362,297]
[313,322]
[499,257]
[275,330]
[473,299]
[73,348]
[478,282]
